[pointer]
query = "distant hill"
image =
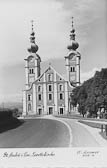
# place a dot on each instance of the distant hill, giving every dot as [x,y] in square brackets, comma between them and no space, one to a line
[11,105]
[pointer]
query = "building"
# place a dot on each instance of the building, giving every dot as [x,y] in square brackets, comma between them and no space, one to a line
[48,92]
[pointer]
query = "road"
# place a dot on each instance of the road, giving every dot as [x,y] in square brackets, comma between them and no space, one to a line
[35,133]
[48,132]
[81,137]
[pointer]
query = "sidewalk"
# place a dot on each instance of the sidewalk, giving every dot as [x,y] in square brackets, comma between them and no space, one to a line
[95,133]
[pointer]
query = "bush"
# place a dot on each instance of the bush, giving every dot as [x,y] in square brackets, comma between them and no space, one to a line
[4,115]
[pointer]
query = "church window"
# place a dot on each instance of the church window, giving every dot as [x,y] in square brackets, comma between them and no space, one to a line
[39,88]
[31,71]
[72,69]
[50,96]
[29,97]
[49,77]
[50,88]
[61,96]
[29,107]
[39,97]
[60,87]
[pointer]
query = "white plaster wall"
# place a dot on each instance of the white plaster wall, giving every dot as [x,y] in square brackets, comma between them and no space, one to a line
[66,98]
[55,95]
[34,99]
[26,74]
[44,96]
[24,104]
[67,68]
[36,71]
[77,70]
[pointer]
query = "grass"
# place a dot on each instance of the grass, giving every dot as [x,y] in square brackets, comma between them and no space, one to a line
[91,124]
[80,117]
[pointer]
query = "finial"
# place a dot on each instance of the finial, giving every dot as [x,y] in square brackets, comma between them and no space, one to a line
[72,22]
[34,47]
[72,35]
[32,38]
[74,45]
[32,24]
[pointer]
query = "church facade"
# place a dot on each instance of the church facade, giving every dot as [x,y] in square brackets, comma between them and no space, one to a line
[48,92]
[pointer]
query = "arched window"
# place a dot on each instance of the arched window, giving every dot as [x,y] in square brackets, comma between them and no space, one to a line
[73,69]
[29,107]
[49,88]
[39,88]
[31,70]
[61,96]
[49,96]
[29,97]
[39,97]
[60,87]
[49,77]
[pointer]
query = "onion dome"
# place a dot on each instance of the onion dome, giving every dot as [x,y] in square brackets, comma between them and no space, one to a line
[73,44]
[34,47]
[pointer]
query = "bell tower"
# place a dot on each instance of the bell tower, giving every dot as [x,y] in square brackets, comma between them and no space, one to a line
[32,63]
[73,60]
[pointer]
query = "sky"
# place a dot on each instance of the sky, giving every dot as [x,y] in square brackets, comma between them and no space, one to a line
[52,24]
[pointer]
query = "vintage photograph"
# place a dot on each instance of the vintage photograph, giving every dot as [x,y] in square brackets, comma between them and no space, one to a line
[53,73]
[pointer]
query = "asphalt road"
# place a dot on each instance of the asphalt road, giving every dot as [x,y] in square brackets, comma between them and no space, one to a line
[48,132]
[36,133]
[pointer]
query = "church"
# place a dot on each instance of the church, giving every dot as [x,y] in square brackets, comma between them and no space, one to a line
[49,92]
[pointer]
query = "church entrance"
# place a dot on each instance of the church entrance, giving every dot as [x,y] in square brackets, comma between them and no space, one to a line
[39,111]
[61,110]
[50,110]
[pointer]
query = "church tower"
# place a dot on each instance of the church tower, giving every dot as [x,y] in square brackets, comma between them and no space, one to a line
[32,63]
[73,60]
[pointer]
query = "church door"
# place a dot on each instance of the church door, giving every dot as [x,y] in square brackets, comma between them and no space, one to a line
[40,111]
[61,110]
[50,110]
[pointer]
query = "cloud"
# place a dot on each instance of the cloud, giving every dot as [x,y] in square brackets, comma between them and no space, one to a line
[52,27]
[49,18]
[11,97]
[87,75]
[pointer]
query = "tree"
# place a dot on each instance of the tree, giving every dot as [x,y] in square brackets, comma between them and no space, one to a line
[92,94]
